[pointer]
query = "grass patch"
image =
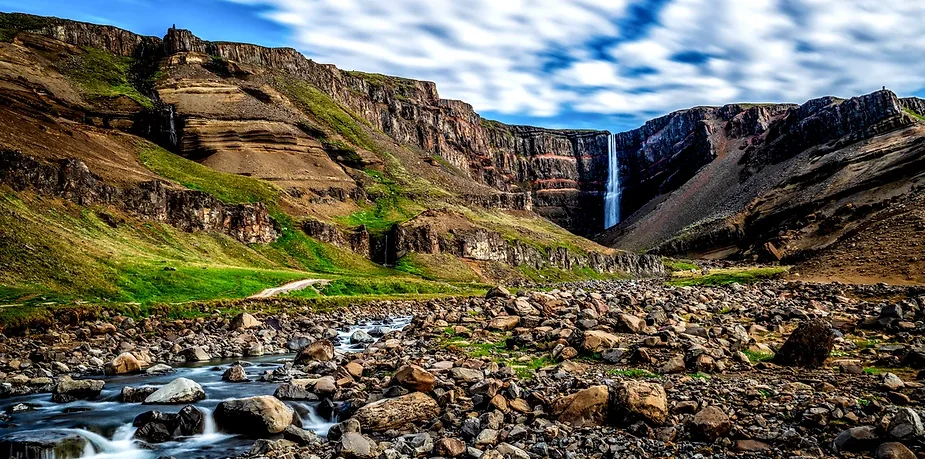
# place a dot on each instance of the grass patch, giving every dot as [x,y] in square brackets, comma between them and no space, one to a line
[635,373]
[327,111]
[527,370]
[102,74]
[675,265]
[758,356]
[13,23]
[384,286]
[913,114]
[730,276]
[437,267]
[700,375]
[391,206]
[228,188]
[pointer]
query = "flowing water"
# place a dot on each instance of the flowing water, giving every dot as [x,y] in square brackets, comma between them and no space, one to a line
[107,424]
[614,190]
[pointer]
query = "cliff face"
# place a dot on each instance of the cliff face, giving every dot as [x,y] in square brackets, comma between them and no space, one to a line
[187,210]
[769,182]
[563,170]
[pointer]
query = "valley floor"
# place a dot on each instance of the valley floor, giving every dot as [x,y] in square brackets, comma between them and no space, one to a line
[598,369]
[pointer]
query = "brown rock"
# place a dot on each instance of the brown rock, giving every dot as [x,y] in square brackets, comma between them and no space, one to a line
[504,323]
[709,424]
[599,341]
[260,416]
[894,450]
[634,400]
[244,321]
[415,378]
[808,346]
[450,447]
[125,363]
[321,350]
[397,413]
[587,407]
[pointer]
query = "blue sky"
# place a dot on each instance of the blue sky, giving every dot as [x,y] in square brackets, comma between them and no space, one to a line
[604,64]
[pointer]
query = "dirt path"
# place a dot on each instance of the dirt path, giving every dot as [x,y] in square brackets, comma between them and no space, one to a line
[290,287]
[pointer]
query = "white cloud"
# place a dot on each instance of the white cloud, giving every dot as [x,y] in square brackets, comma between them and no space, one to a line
[492,53]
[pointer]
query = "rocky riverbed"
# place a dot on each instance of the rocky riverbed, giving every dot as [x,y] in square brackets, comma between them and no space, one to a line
[598,369]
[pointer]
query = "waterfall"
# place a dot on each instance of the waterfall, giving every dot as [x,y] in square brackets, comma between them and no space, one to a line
[614,191]
[172,125]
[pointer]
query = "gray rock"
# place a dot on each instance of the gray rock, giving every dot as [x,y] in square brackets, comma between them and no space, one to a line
[180,390]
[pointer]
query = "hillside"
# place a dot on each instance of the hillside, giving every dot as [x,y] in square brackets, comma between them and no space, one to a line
[798,184]
[141,169]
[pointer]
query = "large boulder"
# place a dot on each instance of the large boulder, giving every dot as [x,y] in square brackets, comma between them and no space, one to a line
[894,450]
[158,427]
[863,438]
[260,416]
[244,321]
[808,346]
[235,374]
[43,444]
[180,390]
[414,378]
[320,350]
[596,341]
[504,323]
[67,390]
[124,364]
[639,400]
[195,354]
[709,424]
[587,407]
[397,413]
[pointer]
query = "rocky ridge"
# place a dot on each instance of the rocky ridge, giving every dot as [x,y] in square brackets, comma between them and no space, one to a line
[157,201]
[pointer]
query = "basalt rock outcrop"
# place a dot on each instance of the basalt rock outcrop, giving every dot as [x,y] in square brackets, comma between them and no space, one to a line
[563,171]
[158,201]
[482,244]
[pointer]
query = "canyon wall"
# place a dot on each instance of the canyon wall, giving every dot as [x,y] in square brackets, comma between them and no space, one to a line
[564,171]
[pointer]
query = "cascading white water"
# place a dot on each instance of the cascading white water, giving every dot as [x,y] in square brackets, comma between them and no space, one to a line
[614,190]
[172,125]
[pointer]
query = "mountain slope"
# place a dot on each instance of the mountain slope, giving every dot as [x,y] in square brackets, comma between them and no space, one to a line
[772,182]
[298,167]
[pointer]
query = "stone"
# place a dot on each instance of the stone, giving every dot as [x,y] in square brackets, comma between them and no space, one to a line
[397,413]
[68,390]
[892,382]
[180,390]
[639,400]
[259,416]
[632,323]
[598,341]
[466,375]
[415,378]
[894,450]
[673,365]
[244,321]
[710,424]
[321,350]
[504,323]
[508,450]
[588,407]
[355,446]
[808,346]
[361,337]
[195,354]
[905,425]
[136,394]
[123,364]
[862,438]
[450,447]
[159,369]
[235,374]
[498,292]
[300,436]
[43,444]
[750,446]
[354,369]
